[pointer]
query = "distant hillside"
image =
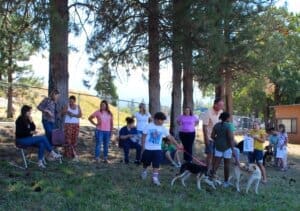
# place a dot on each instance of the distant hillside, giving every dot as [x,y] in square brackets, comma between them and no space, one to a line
[87,102]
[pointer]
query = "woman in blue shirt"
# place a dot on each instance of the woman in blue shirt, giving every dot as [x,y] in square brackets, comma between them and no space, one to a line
[128,136]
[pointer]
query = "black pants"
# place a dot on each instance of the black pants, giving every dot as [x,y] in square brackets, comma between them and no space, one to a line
[187,140]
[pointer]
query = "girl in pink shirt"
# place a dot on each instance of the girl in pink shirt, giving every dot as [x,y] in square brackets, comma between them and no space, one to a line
[104,126]
[187,122]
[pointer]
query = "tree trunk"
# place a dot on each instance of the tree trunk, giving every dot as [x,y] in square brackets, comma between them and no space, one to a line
[58,59]
[277,97]
[153,32]
[177,69]
[188,88]
[10,110]
[228,92]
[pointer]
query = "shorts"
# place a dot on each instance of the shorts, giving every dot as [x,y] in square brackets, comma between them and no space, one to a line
[153,157]
[227,154]
[256,156]
[210,148]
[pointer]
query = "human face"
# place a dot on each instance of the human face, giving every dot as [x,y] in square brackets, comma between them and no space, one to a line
[187,111]
[103,107]
[131,125]
[256,126]
[28,113]
[72,102]
[56,97]
[142,108]
[219,106]
[159,121]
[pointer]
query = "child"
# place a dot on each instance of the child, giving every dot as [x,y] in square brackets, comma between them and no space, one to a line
[281,154]
[151,145]
[128,136]
[170,152]
[273,140]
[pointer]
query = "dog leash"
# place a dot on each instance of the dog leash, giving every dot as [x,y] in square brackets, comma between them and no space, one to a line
[196,159]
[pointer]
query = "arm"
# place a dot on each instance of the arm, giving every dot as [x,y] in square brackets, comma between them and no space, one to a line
[205,134]
[143,141]
[64,110]
[43,107]
[91,119]
[173,141]
[213,134]
[123,135]
[112,123]
[79,112]
[260,139]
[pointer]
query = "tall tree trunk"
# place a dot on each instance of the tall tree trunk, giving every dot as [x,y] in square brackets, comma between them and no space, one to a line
[220,87]
[177,69]
[277,97]
[228,92]
[10,112]
[188,88]
[153,32]
[58,59]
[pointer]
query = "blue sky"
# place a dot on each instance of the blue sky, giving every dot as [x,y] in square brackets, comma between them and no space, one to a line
[133,87]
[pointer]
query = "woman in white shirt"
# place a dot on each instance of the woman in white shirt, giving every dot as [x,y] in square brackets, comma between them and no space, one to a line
[71,127]
[142,118]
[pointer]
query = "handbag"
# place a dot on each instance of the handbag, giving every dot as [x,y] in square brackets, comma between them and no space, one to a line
[58,137]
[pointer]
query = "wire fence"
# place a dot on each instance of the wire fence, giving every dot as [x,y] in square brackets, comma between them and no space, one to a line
[32,95]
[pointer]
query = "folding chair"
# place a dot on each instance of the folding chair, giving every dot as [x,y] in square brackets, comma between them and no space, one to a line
[25,160]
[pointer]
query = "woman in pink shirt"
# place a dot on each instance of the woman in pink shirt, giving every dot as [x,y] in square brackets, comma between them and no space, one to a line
[104,126]
[187,122]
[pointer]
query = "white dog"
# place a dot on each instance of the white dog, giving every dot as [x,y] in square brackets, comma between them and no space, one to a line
[255,177]
[252,171]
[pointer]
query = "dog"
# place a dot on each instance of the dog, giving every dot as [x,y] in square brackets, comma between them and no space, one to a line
[255,177]
[236,176]
[268,155]
[191,168]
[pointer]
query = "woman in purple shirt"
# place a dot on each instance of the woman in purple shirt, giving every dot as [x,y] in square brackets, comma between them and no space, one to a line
[187,122]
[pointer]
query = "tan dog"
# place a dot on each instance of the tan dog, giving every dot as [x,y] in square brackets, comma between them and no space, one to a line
[255,177]
[253,173]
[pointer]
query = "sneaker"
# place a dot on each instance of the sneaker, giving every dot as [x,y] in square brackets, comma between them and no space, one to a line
[144,175]
[226,185]
[41,164]
[55,155]
[156,181]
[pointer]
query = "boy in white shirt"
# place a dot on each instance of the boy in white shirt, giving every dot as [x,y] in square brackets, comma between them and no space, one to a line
[151,145]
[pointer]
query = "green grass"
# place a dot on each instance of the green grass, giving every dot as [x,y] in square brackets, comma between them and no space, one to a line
[116,186]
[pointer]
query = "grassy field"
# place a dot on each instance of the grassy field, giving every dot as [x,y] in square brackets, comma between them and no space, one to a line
[116,186]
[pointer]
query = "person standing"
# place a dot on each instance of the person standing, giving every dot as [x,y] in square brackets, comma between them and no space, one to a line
[49,113]
[187,122]
[142,118]
[210,118]
[257,155]
[104,126]
[224,145]
[25,129]
[72,114]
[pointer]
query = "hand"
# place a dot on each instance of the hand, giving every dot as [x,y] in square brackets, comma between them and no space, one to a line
[33,132]
[49,113]
[179,147]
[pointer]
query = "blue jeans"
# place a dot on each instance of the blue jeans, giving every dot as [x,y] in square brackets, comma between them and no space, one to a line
[131,145]
[48,127]
[36,141]
[102,137]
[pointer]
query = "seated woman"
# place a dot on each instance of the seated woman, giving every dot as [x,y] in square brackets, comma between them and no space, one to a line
[170,152]
[128,136]
[25,129]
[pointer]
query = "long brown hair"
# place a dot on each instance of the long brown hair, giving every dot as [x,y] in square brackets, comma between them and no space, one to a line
[107,106]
